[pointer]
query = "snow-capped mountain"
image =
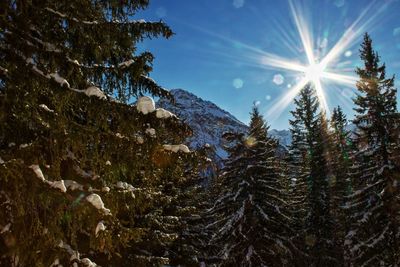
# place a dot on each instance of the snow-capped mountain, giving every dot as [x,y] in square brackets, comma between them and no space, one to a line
[209,122]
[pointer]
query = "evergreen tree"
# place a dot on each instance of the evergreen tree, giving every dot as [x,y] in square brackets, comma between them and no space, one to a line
[373,239]
[77,45]
[341,185]
[250,215]
[84,178]
[298,171]
[310,172]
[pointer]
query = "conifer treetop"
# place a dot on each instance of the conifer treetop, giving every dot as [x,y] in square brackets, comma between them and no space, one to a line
[78,45]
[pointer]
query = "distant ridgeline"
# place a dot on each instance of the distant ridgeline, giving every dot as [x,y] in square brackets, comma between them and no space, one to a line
[209,122]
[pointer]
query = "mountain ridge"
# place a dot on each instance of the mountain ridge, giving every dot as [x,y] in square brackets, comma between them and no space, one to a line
[209,122]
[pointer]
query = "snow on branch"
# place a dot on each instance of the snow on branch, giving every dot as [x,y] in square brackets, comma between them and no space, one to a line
[100,227]
[140,22]
[177,148]
[97,202]
[75,256]
[145,105]
[164,114]
[64,16]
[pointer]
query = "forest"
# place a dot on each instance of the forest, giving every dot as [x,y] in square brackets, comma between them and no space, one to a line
[93,173]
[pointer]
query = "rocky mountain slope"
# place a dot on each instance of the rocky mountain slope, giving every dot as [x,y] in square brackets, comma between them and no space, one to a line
[209,122]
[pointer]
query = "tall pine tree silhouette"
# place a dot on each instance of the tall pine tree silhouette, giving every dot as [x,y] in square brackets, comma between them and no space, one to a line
[340,153]
[373,239]
[309,170]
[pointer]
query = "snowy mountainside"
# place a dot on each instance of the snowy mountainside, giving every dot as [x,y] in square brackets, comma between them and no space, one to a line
[209,122]
[283,136]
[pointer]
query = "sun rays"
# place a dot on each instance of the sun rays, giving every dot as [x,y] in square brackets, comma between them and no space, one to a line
[316,69]
[327,65]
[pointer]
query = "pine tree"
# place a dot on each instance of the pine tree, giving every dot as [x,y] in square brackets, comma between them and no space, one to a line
[309,170]
[77,45]
[340,153]
[250,215]
[373,239]
[85,178]
[298,171]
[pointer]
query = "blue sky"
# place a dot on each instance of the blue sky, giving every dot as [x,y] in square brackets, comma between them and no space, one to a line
[217,50]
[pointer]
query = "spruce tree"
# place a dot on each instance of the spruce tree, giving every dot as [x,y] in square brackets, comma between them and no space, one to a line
[250,215]
[373,239]
[310,171]
[85,178]
[340,153]
[77,45]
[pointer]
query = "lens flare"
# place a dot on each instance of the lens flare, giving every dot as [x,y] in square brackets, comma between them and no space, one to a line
[323,62]
[317,70]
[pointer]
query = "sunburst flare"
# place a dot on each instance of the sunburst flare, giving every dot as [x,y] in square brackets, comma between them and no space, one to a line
[317,69]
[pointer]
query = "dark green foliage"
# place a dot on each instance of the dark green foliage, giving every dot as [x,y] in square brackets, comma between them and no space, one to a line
[96,144]
[249,218]
[340,153]
[310,171]
[84,42]
[91,150]
[374,237]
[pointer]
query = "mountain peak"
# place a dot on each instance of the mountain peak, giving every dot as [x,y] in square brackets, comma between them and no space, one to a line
[206,119]
[209,122]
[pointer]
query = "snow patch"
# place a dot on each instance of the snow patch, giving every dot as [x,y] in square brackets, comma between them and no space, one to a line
[5,228]
[72,185]
[124,186]
[151,132]
[21,146]
[177,148]
[39,174]
[95,91]
[126,64]
[60,80]
[145,105]
[88,263]
[105,189]
[46,108]
[97,202]
[100,227]
[164,114]
[58,185]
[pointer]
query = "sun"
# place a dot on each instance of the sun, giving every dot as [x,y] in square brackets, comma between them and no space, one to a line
[318,69]
[314,73]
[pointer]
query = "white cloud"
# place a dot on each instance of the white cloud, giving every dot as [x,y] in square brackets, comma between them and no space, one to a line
[278,79]
[257,103]
[268,97]
[238,83]
[238,3]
